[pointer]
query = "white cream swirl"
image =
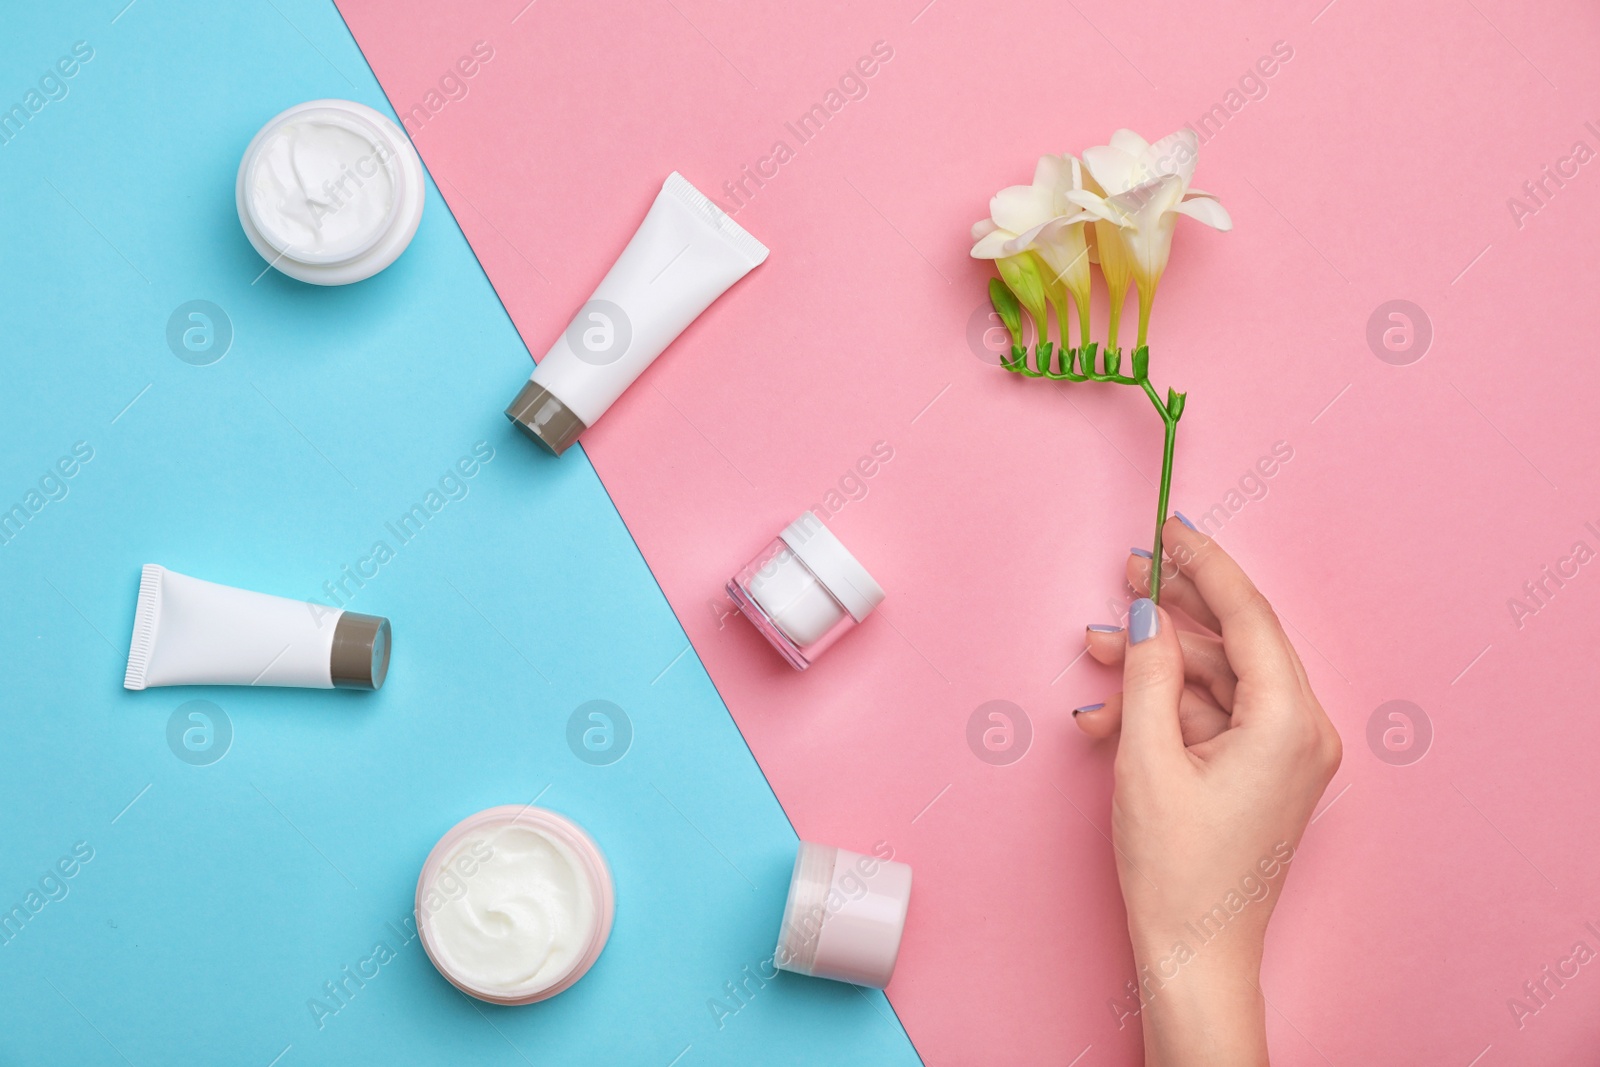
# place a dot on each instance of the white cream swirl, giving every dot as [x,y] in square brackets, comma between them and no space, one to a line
[320,188]
[522,917]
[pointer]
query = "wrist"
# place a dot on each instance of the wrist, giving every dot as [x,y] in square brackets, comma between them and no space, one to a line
[1166,954]
[1202,1007]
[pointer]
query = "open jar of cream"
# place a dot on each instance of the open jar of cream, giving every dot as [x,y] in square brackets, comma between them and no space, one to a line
[844,915]
[330,192]
[804,591]
[514,904]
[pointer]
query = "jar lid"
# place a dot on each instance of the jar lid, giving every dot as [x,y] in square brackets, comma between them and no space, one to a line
[826,557]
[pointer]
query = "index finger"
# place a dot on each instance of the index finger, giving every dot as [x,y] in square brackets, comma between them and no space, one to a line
[1253,638]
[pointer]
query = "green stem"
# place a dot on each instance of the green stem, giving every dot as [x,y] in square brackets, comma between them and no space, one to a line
[1170,422]
[1139,377]
[1060,308]
[1161,501]
[1155,398]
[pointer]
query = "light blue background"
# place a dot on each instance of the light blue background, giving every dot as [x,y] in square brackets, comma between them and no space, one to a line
[222,897]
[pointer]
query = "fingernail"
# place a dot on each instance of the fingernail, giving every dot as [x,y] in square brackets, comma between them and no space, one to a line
[1090,707]
[1185,520]
[1142,620]
[1142,553]
[1102,628]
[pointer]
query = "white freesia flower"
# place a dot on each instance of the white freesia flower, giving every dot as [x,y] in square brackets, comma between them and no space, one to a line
[1145,187]
[1042,219]
[1017,209]
[1040,239]
[1107,250]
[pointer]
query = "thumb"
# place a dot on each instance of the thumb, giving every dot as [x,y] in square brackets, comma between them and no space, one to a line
[1152,683]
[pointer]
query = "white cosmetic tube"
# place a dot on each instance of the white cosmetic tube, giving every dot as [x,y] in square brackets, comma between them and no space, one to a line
[686,253]
[192,632]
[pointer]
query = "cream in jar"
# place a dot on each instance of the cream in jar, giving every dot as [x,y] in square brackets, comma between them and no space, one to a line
[514,904]
[330,192]
[804,591]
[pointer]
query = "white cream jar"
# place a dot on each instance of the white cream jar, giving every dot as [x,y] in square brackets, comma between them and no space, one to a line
[804,591]
[330,192]
[514,904]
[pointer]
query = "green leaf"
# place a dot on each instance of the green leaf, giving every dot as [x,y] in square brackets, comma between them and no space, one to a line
[1113,360]
[1141,362]
[1005,305]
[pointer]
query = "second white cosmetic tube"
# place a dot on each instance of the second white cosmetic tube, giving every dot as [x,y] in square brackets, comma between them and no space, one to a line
[192,632]
[686,253]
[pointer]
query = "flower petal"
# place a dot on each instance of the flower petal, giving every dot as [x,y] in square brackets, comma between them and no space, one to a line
[1127,141]
[1063,245]
[1021,207]
[992,245]
[1147,248]
[1145,203]
[1087,182]
[1075,170]
[1176,153]
[1048,232]
[1092,204]
[1019,243]
[1111,167]
[1048,171]
[983,228]
[1207,210]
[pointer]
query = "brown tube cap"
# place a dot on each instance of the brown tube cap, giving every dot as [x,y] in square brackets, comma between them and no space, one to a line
[538,413]
[360,657]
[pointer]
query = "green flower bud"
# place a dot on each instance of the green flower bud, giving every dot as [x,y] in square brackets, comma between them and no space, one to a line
[1021,274]
[1005,305]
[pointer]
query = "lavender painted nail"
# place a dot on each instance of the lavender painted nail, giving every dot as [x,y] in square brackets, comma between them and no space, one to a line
[1142,553]
[1090,707]
[1142,620]
[1185,520]
[1102,628]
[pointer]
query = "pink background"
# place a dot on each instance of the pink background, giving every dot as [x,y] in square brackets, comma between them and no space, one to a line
[1419,498]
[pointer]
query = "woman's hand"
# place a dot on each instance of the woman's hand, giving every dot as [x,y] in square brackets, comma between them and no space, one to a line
[1223,755]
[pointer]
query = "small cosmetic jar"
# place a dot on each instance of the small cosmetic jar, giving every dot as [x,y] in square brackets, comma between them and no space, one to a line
[844,916]
[804,591]
[514,904]
[330,192]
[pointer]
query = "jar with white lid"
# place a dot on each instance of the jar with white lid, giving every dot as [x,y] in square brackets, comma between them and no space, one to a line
[330,192]
[844,916]
[804,591]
